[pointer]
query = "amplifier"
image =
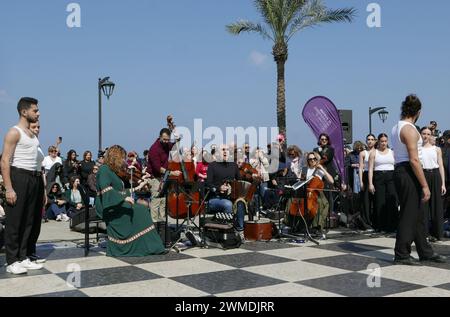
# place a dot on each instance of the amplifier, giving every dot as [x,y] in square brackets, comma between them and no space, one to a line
[220,235]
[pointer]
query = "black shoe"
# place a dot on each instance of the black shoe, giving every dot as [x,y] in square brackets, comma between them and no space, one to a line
[409,261]
[437,258]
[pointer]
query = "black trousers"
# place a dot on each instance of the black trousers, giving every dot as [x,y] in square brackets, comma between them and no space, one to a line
[411,226]
[434,208]
[23,220]
[385,204]
[367,201]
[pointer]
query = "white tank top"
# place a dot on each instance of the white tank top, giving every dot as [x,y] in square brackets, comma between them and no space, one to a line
[28,155]
[430,158]
[366,160]
[384,162]
[400,150]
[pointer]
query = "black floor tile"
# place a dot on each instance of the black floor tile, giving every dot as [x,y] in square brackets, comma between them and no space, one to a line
[111,276]
[349,247]
[349,262]
[74,293]
[355,285]
[265,246]
[444,286]
[226,281]
[247,259]
[349,237]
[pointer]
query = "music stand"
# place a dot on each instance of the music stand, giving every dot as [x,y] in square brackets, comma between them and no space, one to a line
[303,186]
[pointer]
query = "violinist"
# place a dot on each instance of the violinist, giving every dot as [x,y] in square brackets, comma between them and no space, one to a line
[315,169]
[219,176]
[131,231]
[158,162]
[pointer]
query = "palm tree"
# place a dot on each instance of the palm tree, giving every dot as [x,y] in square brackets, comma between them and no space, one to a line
[282,20]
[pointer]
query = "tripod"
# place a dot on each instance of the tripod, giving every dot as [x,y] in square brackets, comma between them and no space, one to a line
[186,229]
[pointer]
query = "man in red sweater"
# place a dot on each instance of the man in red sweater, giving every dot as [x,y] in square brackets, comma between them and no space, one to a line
[158,162]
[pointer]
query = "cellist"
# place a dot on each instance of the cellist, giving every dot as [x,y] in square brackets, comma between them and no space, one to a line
[314,168]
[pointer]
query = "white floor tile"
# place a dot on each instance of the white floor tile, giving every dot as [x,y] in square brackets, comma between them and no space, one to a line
[184,267]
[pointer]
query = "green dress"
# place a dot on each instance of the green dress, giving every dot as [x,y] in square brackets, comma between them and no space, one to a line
[130,229]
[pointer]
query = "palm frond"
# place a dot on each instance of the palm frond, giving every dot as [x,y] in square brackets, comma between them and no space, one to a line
[315,13]
[248,27]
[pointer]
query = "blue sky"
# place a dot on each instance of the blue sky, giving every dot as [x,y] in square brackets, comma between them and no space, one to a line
[176,57]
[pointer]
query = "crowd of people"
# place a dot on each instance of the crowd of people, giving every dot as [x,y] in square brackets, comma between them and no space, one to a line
[138,222]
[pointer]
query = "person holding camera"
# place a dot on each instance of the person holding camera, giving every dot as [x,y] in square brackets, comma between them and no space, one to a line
[71,167]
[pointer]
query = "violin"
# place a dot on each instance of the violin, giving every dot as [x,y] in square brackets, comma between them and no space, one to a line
[129,176]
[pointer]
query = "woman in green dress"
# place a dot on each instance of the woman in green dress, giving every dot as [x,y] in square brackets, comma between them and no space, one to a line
[130,229]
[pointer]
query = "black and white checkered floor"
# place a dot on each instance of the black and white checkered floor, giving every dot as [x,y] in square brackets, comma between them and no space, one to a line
[338,267]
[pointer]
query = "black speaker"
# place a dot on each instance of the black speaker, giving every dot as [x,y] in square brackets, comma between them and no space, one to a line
[77,222]
[347,125]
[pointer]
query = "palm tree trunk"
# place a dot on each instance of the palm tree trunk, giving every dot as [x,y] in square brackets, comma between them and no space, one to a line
[281,97]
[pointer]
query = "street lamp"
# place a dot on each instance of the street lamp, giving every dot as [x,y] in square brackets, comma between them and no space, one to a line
[107,87]
[383,114]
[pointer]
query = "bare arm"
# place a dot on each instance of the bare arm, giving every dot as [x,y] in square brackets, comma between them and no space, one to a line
[410,138]
[327,175]
[9,146]
[441,170]
[361,168]
[371,167]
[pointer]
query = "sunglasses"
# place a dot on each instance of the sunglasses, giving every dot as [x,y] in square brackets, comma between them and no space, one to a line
[323,139]
[312,159]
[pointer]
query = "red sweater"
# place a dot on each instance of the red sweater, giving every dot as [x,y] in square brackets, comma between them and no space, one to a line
[158,156]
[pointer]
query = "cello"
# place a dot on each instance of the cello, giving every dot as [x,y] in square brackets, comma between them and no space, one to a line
[184,202]
[297,208]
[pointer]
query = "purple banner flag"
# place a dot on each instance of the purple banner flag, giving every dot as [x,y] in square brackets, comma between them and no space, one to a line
[322,117]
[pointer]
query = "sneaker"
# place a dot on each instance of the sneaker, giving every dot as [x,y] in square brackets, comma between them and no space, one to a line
[16,268]
[59,217]
[27,264]
[65,217]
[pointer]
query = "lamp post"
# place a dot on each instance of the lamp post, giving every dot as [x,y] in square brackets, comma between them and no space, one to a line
[381,112]
[107,87]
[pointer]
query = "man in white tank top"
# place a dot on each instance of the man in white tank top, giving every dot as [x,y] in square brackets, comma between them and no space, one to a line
[24,183]
[411,186]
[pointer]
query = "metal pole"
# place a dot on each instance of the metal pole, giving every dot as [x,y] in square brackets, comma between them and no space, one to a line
[99,115]
[370,120]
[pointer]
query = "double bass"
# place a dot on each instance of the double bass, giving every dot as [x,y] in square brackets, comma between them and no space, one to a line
[182,200]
